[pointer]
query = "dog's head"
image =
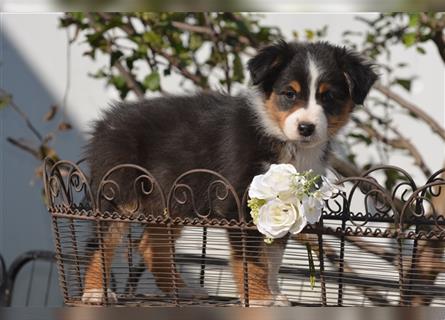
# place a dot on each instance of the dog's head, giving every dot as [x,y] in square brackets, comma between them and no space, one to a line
[309,89]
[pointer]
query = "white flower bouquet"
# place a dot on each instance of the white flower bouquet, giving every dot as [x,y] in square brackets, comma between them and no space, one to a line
[283,200]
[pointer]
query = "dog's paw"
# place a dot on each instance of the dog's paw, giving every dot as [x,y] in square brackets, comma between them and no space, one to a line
[192,293]
[279,300]
[97,296]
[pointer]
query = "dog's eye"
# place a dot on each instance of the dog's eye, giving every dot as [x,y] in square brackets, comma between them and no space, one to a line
[290,95]
[327,96]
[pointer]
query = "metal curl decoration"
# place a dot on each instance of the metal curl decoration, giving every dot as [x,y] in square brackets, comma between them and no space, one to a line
[182,199]
[390,167]
[418,197]
[216,186]
[334,200]
[56,188]
[410,181]
[435,177]
[75,181]
[187,196]
[385,198]
[110,190]
[140,179]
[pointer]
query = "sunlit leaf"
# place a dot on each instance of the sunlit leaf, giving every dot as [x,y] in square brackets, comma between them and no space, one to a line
[153,81]
[409,39]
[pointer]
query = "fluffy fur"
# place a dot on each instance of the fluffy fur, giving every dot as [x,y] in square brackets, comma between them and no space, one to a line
[296,85]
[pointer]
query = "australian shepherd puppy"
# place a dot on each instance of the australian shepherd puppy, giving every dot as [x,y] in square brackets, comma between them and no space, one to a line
[303,95]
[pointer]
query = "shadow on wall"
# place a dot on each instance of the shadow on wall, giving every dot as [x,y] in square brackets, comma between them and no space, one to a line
[24,221]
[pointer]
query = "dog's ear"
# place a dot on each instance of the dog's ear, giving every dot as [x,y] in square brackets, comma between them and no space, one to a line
[359,73]
[269,61]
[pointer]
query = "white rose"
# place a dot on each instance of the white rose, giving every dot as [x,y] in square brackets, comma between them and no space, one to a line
[276,218]
[299,224]
[280,177]
[311,208]
[260,190]
[275,182]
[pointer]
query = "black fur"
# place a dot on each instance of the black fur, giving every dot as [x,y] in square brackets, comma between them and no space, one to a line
[173,134]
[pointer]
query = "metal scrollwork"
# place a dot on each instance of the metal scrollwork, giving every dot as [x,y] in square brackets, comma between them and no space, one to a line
[183,194]
[139,189]
[66,185]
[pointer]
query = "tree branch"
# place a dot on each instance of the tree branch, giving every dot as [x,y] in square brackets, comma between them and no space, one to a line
[399,143]
[435,126]
[5,95]
[24,146]
[192,28]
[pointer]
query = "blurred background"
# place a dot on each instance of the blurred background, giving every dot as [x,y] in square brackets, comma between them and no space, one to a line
[58,71]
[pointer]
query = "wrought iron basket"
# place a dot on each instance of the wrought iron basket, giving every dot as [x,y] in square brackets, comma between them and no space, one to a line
[373,245]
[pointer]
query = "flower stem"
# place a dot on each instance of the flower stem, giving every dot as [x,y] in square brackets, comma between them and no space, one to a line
[311,265]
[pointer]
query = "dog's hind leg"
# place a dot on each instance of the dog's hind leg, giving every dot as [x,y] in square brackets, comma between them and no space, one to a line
[157,249]
[100,265]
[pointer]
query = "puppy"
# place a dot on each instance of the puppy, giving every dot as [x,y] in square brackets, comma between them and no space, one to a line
[303,95]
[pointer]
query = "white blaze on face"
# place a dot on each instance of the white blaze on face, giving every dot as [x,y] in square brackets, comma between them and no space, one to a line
[311,113]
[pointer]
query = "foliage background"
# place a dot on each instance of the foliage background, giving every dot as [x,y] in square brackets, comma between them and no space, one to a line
[208,51]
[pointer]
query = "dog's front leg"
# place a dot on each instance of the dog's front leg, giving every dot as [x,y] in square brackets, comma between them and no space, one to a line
[274,253]
[263,262]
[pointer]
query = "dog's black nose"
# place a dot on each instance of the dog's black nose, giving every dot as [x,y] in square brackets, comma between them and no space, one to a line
[306,129]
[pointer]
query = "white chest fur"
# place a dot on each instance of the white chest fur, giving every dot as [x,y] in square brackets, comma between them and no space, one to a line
[304,158]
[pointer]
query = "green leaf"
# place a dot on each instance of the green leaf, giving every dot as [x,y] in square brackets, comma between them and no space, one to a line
[5,100]
[361,137]
[153,38]
[309,34]
[167,72]
[420,50]
[195,42]
[238,70]
[405,83]
[115,55]
[409,39]
[311,265]
[370,38]
[153,81]
[413,20]
[413,115]
[119,82]
[392,178]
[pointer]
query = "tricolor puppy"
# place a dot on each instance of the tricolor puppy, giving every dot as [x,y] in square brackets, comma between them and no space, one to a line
[303,95]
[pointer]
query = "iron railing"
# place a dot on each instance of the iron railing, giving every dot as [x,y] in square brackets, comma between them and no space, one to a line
[373,246]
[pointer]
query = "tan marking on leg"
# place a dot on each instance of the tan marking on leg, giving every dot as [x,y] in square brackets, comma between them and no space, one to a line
[257,268]
[155,247]
[100,264]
